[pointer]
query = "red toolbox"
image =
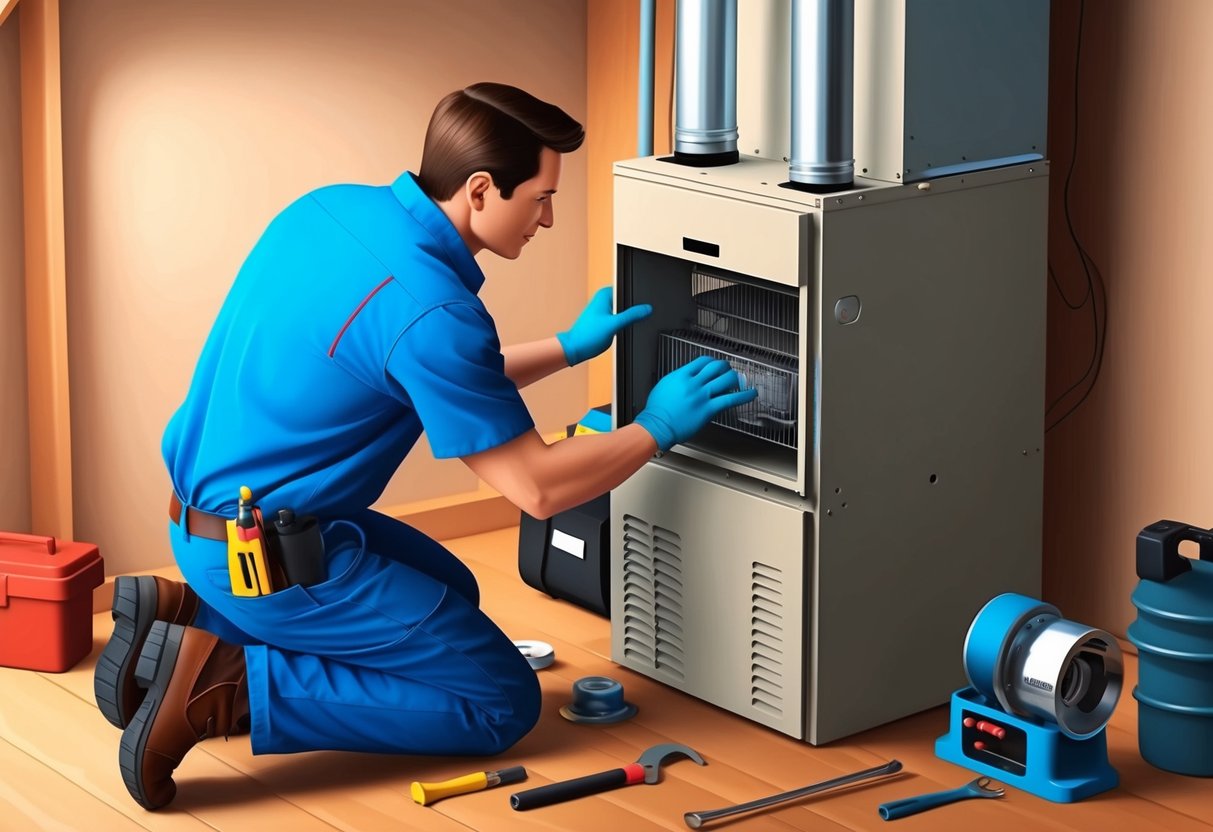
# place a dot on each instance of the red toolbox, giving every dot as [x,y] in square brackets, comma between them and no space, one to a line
[46,601]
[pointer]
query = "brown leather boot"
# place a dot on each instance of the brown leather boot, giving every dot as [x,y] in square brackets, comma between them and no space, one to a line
[138,601]
[196,688]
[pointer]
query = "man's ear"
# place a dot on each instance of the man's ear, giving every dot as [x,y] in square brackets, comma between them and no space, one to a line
[476,187]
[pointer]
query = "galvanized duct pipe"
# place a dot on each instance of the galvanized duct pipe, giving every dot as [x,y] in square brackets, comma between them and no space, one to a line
[823,93]
[644,121]
[705,131]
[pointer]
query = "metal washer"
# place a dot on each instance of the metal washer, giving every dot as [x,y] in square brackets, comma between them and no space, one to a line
[538,654]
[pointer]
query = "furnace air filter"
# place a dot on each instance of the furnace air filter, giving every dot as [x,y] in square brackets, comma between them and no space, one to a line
[756,330]
[773,415]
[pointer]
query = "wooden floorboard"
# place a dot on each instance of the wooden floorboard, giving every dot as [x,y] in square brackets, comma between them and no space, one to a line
[25,782]
[59,758]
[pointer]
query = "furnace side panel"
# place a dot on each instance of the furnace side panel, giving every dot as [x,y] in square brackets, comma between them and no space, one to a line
[931,439]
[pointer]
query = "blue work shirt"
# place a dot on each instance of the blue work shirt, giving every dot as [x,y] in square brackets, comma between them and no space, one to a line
[353,325]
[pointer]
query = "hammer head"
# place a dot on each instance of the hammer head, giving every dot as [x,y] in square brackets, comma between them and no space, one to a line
[659,755]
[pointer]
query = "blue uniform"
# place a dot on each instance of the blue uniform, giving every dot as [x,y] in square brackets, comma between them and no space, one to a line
[353,325]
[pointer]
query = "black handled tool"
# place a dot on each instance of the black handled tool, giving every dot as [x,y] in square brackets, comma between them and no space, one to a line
[645,770]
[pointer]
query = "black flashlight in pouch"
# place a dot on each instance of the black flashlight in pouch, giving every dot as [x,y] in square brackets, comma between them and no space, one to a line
[300,548]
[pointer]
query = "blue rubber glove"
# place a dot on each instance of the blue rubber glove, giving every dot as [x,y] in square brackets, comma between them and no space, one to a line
[688,398]
[592,332]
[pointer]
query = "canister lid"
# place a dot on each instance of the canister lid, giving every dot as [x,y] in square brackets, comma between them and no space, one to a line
[39,556]
[1185,598]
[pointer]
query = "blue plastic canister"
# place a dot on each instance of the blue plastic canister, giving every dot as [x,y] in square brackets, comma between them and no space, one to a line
[1174,638]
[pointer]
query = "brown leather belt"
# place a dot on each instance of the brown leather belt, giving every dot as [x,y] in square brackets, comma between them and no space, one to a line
[199,523]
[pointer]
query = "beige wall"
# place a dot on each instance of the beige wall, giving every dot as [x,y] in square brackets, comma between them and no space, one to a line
[1140,448]
[613,77]
[188,125]
[14,421]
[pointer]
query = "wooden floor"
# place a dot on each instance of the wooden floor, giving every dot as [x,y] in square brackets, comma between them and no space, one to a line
[59,770]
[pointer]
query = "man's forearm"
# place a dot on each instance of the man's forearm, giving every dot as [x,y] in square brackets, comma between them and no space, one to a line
[580,468]
[543,479]
[529,362]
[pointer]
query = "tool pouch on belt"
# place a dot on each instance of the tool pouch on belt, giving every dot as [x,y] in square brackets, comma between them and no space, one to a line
[263,558]
[298,548]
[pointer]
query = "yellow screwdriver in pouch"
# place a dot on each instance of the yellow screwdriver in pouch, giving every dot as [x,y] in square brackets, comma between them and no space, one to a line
[246,550]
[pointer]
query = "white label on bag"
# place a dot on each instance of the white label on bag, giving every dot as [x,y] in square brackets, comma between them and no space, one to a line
[575,546]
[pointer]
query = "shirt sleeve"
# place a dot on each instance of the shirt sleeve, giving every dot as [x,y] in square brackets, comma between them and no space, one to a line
[449,366]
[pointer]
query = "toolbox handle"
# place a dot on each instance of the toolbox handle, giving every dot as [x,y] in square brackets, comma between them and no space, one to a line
[36,539]
[1158,557]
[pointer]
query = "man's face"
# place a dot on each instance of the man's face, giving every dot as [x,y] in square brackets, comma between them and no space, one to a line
[504,226]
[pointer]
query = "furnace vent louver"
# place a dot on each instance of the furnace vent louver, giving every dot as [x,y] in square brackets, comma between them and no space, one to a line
[653,597]
[767,640]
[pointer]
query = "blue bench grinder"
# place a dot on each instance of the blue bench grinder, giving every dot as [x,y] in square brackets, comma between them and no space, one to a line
[1042,691]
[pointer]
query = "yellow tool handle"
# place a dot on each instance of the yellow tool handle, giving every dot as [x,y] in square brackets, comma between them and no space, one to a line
[426,793]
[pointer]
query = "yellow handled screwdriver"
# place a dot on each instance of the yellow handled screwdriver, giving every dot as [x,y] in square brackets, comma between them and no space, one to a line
[247,561]
[427,793]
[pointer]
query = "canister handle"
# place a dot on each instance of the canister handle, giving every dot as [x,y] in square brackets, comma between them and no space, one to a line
[1158,557]
[36,539]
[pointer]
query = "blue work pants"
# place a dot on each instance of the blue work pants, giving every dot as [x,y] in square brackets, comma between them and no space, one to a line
[390,654]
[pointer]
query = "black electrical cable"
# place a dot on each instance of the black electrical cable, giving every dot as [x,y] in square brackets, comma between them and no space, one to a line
[1062,292]
[1088,263]
[1096,362]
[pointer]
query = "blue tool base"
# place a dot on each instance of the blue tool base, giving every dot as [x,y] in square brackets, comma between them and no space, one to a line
[1034,757]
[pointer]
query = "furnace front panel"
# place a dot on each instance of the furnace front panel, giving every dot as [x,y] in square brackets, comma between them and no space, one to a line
[812,560]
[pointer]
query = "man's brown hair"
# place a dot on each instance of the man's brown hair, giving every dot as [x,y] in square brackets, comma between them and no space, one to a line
[495,128]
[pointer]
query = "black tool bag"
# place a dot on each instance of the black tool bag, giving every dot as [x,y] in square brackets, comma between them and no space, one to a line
[568,556]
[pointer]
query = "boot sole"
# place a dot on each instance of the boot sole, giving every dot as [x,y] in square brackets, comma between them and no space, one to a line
[153,671]
[133,611]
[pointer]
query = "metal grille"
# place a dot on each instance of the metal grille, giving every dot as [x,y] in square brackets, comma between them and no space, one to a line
[746,314]
[757,331]
[773,415]
[653,597]
[766,639]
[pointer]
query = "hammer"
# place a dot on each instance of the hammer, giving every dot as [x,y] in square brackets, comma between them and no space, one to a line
[645,769]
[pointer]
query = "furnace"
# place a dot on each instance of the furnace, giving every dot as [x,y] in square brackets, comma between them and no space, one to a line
[812,560]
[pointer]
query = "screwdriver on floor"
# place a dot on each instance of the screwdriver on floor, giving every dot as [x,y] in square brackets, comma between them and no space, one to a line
[427,793]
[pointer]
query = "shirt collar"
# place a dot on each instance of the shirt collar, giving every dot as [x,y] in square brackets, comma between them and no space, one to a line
[431,218]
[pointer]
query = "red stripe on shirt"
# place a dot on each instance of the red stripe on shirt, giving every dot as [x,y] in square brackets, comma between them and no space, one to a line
[354,314]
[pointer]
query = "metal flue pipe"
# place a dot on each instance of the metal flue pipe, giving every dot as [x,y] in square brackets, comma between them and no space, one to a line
[705,122]
[823,94]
